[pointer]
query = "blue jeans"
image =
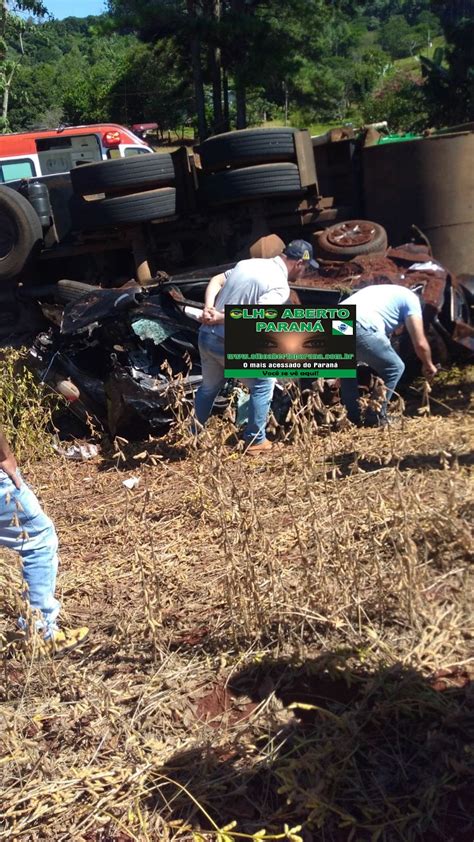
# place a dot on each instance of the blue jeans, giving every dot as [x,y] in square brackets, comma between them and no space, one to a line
[25,528]
[211,349]
[373,347]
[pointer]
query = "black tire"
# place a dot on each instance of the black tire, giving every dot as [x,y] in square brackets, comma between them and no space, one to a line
[247,146]
[120,174]
[356,237]
[250,183]
[20,233]
[67,291]
[124,210]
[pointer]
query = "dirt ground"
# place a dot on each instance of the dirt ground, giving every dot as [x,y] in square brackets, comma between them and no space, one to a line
[282,641]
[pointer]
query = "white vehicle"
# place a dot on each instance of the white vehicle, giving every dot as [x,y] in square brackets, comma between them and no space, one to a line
[53,151]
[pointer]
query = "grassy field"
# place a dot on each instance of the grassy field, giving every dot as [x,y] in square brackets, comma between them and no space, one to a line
[284,643]
[412,63]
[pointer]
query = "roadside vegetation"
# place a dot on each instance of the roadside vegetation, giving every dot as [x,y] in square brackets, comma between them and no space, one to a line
[279,647]
[26,408]
[199,68]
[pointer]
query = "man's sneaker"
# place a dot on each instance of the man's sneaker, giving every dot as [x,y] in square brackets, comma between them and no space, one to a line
[59,643]
[264,446]
[65,640]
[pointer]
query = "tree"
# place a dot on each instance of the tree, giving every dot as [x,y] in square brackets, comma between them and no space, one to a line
[185,21]
[401,101]
[237,46]
[428,27]
[398,38]
[137,96]
[91,76]
[450,73]
[12,28]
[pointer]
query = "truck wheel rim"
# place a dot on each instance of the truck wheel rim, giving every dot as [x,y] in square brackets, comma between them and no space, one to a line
[351,234]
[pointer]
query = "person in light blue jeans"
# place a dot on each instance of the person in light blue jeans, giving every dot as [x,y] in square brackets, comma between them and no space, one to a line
[380,310]
[374,349]
[25,528]
[211,349]
[258,281]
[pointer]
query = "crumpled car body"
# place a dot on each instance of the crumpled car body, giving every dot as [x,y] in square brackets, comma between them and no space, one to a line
[132,356]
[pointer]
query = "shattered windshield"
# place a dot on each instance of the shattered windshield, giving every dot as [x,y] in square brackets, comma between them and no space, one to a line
[157,329]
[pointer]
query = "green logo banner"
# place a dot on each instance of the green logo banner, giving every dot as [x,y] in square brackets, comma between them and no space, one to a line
[287,341]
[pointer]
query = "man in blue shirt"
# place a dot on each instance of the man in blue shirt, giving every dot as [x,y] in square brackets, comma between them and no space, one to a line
[379,311]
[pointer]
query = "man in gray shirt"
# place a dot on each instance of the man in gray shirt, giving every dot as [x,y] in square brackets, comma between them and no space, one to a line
[250,282]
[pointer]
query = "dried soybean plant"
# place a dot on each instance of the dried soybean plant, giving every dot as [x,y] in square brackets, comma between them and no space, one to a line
[26,408]
[341,557]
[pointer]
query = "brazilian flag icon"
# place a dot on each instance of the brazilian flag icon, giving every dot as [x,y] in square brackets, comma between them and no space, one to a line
[344,328]
[236,314]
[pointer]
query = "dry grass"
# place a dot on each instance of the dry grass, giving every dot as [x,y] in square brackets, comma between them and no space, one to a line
[333,575]
[26,408]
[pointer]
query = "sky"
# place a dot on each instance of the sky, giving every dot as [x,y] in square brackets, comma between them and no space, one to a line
[75,8]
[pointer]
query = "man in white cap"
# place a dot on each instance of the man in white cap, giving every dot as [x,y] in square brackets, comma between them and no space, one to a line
[251,282]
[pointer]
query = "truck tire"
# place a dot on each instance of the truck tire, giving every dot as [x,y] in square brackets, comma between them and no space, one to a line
[247,146]
[124,210]
[350,239]
[120,174]
[233,186]
[20,233]
[67,291]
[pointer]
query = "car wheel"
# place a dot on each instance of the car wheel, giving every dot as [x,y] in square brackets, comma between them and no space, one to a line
[250,183]
[20,233]
[124,210]
[248,146]
[350,239]
[120,174]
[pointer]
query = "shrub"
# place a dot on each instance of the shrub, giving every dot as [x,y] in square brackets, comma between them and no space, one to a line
[25,408]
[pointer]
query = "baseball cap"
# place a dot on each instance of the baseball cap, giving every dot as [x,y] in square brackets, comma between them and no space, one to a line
[301,250]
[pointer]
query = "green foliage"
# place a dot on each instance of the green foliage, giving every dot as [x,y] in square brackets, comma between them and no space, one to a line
[401,101]
[398,38]
[12,31]
[154,85]
[315,60]
[450,73]
[25,409]
[91,78]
